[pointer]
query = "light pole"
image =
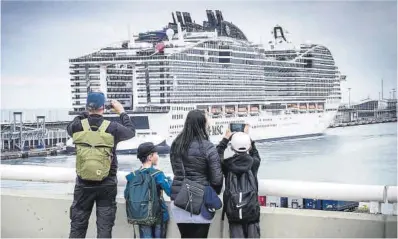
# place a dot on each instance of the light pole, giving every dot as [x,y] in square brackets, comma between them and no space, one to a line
[349,97]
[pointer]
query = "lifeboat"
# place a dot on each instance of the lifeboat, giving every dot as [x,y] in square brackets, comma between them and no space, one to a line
[254,110]
[216,111]
[229,111]
[303,106]
[242,110]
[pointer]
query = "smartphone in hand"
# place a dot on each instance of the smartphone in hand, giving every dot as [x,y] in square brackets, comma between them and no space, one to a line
[237,127]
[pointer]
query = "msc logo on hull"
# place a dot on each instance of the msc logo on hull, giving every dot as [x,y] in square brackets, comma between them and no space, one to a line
[215,130]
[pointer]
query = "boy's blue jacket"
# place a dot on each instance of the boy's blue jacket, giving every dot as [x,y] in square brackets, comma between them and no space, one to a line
[162,181]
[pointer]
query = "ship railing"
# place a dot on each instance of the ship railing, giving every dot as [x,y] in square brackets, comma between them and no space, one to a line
[379,196]
[114,59]
[129,111]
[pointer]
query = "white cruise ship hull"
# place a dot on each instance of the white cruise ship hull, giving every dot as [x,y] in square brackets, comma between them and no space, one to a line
[263,127]
[272,128]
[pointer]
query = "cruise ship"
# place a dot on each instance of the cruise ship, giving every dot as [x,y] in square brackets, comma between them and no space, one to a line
[281,90]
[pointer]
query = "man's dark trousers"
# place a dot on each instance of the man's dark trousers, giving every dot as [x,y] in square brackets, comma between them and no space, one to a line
[104,196]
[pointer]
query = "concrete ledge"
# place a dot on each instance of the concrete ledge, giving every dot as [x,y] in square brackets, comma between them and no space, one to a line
[27,214]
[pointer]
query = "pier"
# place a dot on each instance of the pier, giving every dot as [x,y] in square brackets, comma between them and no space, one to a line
[47,215]
[31,153]
[19,139]
[367,112]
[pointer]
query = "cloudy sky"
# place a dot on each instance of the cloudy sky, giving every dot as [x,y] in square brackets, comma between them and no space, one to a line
[38,38]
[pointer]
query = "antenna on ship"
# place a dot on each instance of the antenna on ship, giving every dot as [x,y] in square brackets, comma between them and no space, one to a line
[382,89]
[128,31]
[180,36]
[131,38]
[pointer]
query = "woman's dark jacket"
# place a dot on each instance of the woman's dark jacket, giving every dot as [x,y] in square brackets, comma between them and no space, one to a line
[202,164]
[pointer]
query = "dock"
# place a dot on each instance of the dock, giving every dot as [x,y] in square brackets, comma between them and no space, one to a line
[31,153]
[362,122]
[366,112]
[26,139]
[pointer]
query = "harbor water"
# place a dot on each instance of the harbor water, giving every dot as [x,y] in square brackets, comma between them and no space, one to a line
[364,154]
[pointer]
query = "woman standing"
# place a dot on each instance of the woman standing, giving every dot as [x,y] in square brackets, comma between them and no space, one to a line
[194,159]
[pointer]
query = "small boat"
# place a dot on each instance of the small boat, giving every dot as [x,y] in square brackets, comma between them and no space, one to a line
[216,111]
[303,106]
[242,110]
[254,110]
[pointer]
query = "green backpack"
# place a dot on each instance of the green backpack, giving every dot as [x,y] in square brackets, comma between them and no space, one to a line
[93,151]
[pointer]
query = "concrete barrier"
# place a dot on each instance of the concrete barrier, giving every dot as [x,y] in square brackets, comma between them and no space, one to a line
[30,214]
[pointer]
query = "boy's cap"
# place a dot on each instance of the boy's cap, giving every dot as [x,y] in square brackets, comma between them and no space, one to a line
[240,142]
[211,203]
[145,149]
[95,100]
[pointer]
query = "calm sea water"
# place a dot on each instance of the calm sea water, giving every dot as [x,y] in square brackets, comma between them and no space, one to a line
[359,155]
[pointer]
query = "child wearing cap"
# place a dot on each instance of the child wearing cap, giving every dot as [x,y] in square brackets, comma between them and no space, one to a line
[240,170]
[147,154]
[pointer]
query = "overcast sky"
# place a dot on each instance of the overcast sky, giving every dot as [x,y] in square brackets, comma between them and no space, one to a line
[38,38]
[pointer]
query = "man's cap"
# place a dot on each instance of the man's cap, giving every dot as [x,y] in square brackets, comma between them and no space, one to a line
[95,100]
[211,203]
[145,149]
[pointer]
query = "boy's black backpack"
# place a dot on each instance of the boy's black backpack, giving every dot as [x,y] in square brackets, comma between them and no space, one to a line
[241,198]
[142,200]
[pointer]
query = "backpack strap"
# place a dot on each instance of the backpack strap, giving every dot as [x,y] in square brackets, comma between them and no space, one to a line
[156,172]
[85,125]
[104,125]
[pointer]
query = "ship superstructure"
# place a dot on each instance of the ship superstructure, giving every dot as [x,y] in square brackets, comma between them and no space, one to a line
[281,90]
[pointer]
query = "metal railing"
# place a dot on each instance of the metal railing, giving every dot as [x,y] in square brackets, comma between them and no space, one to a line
[377,194]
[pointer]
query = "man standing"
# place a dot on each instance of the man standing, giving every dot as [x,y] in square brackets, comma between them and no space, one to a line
[95,140]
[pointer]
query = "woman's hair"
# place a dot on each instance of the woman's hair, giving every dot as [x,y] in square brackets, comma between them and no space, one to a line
[194,129]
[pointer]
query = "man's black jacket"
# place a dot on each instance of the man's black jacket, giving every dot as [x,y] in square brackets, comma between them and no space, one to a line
[120,132]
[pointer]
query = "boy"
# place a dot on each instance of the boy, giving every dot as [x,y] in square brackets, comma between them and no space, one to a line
[240,198]
[147,154]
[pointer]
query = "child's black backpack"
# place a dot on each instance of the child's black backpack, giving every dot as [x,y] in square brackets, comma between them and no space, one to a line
[241,198]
